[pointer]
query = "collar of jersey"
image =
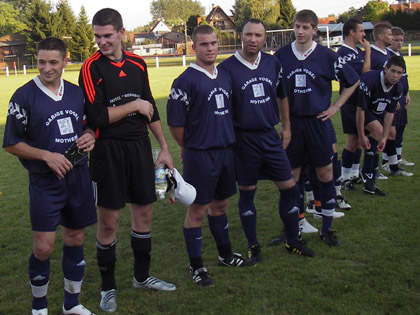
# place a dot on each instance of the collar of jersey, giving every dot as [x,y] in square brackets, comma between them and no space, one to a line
[246,63]
[198,68]
[349,47]
[386,90]
[378,49]
[56,97]
[306,54]
[394,52]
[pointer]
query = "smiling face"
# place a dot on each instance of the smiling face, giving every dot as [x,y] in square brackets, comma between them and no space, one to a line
[109,40]
[50,64]
[205,47]
[253,39]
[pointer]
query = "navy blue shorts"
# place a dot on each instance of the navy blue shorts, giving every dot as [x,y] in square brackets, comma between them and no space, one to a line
[211,172]
[331,132]
[260,155]
[311,142]
[124,172]
[69,201]
[348,120]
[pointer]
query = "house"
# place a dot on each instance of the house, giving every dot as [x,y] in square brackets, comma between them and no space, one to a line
[406,5]
[220,20]
[13,51]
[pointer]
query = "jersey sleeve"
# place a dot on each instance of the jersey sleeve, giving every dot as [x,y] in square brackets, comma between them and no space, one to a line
[17,119]
[92,84]
[345,74]
[178,103]
[363,95]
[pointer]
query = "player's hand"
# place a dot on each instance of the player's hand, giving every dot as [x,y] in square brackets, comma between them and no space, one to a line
[145,108]
[58,163]
[364,142]
[86,142]
[181,155]
[325,115]
[381,145]
[407,100]
[286,136]
[165,158]
[398,107]
[365,44]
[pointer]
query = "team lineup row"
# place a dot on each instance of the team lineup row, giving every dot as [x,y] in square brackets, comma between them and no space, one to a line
[223,118]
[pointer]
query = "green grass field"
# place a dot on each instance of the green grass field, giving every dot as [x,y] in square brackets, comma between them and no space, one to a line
[375,271]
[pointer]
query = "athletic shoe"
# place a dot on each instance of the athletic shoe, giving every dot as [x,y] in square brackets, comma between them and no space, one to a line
[370,188]
[153,283]
[400,172]
[108,301]
[300,249]
[342,203]
[404,162]
[279,240]
[348,184]
[380,176]
[330,239]
[43,311]
[201,277]
[254,253]
[236,260]
[77,310]
[385,167]
[310,208]
[306,227]
[336,215]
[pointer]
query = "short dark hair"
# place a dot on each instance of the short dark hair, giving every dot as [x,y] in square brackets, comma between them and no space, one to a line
[108,16]
[254,21]
[350,25]
[397,31]
[306,16]
[53,43]
[202,29]
[395,61]
[380,29]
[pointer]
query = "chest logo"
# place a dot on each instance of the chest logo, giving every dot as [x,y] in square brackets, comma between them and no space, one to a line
[65,125]
[122,74]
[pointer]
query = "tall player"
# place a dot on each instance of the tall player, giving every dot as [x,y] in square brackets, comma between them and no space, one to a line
[120,106]
[259,149]
[379,55]
[308,69]
[199,112]
[359,60]
[45,117]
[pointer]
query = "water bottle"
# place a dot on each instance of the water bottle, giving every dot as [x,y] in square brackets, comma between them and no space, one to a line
[160,176]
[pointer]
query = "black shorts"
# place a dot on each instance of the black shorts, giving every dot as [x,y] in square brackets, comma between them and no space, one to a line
[124,172]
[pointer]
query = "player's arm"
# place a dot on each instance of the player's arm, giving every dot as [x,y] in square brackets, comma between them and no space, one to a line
[342,98]
[178,134]
[55,161]
[407,99]
[87,141]
[285,131]
[116,113]
[366,63]
[360,121]
[164,155]
[389,117]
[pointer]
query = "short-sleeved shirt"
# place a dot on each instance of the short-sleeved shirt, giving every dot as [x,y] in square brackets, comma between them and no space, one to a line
[378,57]
[41,119]
[201,103]
[374,96]
[308,77]
[255,87]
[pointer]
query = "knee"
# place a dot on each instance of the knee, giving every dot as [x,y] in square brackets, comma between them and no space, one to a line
[42,251]
[107,226]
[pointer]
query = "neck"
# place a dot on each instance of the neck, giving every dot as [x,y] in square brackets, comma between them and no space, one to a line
[208,67]
[380,44]
[302,48]
[53,86]
[248,57]
[350,43]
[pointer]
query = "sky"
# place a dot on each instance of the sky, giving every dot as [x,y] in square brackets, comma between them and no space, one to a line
[137,12]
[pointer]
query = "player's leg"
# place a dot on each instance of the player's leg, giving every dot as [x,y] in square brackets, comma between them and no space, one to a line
[347,160]
[390,149]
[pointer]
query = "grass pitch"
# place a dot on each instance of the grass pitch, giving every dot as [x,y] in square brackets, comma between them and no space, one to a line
[375,271]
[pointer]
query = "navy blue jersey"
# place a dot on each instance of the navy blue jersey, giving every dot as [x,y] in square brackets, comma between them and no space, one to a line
[107,83]
[308,77]
[378,58]
[255,89]
[374,96]
[43,120]
[404,78]
[201,103]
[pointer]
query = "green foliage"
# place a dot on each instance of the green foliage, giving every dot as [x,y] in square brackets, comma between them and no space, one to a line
[9,22]
[175,11]
[83,38]
[407,20]
[350,13]
[374,11]
[287,11]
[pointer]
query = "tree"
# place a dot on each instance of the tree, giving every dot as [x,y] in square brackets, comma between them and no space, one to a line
[83,38]
[374,11]
[39,22]
[175,11]
[350,13]
[287,11]
[9,22]
[63,21]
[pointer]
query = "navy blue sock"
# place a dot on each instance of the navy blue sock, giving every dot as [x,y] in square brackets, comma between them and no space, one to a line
[336,170]
[369,164]
[289,211]
[328,203]
[357,155]
[39,274]
[300,198]
[248,215]
[313,177]
[219,228]
[347,158]
[141,244]
[73,265]
[193,238]
[391,151]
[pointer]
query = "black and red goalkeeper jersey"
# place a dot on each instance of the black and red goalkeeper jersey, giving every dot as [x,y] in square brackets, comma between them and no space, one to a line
[107,83]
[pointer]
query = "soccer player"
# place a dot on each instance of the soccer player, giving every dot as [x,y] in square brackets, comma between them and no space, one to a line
[308,69]
[45,117]
[259,149]
[379,54]
[199,113]
[120,107]
[378,95]
[359,60]
[400,116]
